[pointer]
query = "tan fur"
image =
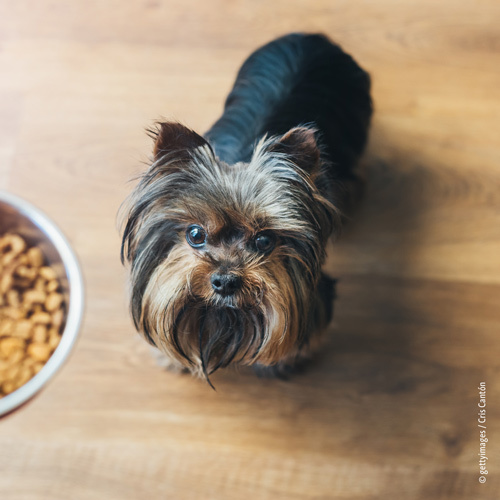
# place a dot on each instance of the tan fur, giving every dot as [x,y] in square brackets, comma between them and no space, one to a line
[174,304]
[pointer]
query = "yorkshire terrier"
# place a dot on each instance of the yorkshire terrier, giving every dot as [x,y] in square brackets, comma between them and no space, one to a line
[225,233]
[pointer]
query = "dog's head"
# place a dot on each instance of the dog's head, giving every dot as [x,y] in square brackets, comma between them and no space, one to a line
[224,259]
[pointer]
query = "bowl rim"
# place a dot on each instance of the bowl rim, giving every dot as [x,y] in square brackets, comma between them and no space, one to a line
[76,303]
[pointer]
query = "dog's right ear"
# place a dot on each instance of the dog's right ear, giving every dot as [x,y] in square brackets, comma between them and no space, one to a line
[174,137]
[299,143]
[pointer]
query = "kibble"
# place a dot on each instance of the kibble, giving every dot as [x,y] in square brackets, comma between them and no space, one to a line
[41,317]
[53,302]
[39,352]
[39,333]
[32,312]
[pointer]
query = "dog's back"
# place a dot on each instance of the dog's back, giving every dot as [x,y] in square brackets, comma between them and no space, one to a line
[298,79]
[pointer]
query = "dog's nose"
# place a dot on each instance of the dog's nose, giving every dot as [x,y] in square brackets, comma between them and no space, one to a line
[225,284]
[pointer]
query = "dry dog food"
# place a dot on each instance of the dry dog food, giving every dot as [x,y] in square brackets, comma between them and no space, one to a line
[31,312]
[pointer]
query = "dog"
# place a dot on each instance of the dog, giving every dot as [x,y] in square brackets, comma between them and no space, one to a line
[225,233]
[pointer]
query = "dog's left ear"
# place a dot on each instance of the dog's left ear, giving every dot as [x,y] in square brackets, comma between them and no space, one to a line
[300,145]
[172,136]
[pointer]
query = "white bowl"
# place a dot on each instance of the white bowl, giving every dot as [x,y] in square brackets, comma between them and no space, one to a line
[36,228]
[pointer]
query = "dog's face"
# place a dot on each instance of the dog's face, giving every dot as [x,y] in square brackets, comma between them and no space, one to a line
[225,258]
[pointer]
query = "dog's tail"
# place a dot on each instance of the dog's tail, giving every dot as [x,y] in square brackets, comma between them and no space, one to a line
[299,79]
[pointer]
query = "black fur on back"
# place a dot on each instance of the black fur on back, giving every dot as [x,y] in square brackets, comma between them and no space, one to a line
[298,79]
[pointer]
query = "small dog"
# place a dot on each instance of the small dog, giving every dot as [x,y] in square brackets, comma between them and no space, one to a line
[225,233]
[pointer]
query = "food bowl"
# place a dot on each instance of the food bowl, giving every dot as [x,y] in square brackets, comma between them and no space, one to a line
[19,216]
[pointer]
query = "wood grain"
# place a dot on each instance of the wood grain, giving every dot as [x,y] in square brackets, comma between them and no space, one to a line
[389,408]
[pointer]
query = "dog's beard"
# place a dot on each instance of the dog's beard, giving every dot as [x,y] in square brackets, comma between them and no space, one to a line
[224,335]
[204,332]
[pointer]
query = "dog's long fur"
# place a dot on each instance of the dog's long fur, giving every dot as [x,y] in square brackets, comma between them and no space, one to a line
[276,163]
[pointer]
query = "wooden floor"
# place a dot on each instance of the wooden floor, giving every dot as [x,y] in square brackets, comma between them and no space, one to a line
[389,410]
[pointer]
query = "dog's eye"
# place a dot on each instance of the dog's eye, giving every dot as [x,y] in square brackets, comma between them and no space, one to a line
[265,242]
[196,236]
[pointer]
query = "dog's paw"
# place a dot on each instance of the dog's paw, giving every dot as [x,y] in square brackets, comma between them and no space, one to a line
[166,362]
[282,371]
[286,369]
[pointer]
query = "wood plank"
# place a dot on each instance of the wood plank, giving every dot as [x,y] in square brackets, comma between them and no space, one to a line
[389,407]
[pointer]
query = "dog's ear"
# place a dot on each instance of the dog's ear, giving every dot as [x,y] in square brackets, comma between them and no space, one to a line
[172,136]
[300,145]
